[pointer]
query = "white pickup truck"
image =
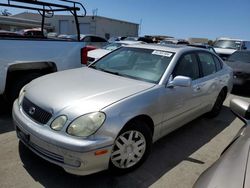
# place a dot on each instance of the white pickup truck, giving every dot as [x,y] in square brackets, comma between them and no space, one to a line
[22,59]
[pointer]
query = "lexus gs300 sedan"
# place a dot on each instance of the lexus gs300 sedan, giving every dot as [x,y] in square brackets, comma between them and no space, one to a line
[108,115]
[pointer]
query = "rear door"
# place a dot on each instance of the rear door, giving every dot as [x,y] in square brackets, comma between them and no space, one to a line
[211,77]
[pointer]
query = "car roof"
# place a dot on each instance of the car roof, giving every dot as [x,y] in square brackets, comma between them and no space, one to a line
[170,48]
[225,38]
[128,42]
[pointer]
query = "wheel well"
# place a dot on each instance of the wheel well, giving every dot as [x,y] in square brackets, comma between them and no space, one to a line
[19,70]
[48,67]
[145,119]
[225,90]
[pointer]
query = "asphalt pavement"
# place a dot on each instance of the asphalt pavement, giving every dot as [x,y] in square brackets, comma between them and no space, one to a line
[176,160]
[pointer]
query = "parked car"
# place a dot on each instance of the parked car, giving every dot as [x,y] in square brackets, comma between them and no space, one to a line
[88,39]
[226,46]
[232,168]
[239,61]
[113,39]
[34,32]
[98,53]
[204,46]
[173,41]
[108,115]
[4,33]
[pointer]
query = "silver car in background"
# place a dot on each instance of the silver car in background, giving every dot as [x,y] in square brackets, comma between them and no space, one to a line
[108,115]
[232,169]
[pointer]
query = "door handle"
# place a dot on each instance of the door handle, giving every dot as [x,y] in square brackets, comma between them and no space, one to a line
[197,88]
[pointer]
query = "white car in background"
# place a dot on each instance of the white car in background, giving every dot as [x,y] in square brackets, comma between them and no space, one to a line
[224,47]
[93,55]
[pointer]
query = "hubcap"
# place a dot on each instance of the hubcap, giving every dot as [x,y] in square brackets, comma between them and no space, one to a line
[128,150]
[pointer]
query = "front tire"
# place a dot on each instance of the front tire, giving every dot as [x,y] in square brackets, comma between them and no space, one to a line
[131,148]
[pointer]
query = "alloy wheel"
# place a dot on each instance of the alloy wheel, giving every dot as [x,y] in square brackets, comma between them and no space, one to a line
[129,149]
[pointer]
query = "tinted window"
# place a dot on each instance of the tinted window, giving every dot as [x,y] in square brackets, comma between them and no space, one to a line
[187,66]
[207,63]
[243,56]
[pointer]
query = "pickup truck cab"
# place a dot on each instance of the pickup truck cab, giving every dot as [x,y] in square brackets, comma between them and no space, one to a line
[224,47]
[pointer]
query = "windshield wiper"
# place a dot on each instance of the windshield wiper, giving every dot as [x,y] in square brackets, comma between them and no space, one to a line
[111,72]
[92,66]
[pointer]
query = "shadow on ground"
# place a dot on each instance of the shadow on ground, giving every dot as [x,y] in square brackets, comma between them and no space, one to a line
[166,154]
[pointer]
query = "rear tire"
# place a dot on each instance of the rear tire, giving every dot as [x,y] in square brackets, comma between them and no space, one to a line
[131,148]
[217,105]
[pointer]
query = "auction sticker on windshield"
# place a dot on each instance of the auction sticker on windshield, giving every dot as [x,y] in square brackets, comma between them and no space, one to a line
[162,53]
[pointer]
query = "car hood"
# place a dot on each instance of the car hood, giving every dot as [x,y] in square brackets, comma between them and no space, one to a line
[230,170]
[98,53]
[224,51]
[239,66]
[85,90]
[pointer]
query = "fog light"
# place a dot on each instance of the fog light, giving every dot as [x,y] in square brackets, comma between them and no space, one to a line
[72,162]
[58,123]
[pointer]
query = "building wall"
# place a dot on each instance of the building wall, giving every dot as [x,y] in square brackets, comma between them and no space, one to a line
[10,23]
[94,25]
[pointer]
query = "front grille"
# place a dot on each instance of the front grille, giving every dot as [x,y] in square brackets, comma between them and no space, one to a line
[35,112]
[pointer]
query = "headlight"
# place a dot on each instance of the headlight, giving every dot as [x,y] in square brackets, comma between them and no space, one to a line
[21,96]
[86,125]
[58,123]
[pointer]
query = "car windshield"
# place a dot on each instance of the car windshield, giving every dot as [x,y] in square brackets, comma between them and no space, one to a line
[228,44]
[242,56]
[136,63]
[112,46]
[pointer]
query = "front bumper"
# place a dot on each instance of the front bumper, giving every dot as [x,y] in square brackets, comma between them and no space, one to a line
[76,156]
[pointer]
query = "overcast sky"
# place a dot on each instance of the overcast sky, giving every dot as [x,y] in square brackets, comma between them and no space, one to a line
[179,18]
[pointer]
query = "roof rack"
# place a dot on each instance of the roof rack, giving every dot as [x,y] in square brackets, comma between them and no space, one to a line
[47,9]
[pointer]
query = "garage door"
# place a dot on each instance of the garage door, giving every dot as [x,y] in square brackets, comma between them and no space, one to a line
[64,26]
[84,28]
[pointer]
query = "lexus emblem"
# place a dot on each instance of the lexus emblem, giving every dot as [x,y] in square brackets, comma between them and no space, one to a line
[32,110]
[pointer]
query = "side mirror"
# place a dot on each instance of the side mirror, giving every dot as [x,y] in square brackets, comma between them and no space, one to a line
[241,109]
[181,81]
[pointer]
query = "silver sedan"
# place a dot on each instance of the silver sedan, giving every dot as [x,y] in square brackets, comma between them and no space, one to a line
[108,115]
